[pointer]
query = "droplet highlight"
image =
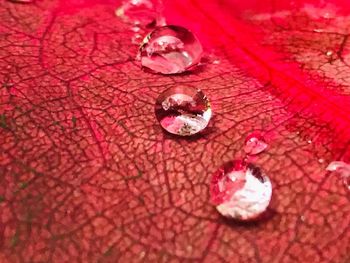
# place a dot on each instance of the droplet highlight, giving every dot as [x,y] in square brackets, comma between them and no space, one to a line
[183,111]
[145,13]
[343,169]
[240,190]
[255,144]
[329,53]
[170,50]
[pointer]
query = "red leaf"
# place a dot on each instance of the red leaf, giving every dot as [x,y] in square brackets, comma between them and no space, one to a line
[87,174]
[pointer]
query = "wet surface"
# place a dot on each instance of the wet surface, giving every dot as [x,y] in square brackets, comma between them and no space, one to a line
[87,173]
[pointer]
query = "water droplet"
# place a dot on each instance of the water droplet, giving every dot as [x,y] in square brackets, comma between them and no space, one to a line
[255,144]
[141,12]
[183,110]
[240,190]
[170,50]
[343,169]
[135,29]
[321,160]
[309,141]
[329,53]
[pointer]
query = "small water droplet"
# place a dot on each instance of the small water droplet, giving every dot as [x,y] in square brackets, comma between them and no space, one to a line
[211,59]
[255,144]
[240,190]
[145,13]
[343,169]
[170,50]
[321,160]
[302,218]
[309,141]
[329,53]
[183,110]
[135,29]
[318,30]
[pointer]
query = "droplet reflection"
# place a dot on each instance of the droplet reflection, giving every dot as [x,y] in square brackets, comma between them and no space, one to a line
[170,50]
[240,190]
[255,143]
[144,13]
[183,111]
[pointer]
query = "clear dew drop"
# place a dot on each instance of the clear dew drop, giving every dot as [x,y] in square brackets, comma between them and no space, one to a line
[343,169]
[183,111]
[240,190]
[170,50]
[255,143]
[145,13]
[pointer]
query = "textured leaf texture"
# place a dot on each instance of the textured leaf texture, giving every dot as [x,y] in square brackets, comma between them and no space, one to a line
[88,175]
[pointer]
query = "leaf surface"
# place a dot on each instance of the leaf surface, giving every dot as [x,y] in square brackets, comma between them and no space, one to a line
[88,175]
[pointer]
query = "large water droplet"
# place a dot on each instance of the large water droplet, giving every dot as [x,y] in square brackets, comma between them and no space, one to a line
[145,13]
[240,190]
[254,144]
[183,110]
[343,169]
[170,50]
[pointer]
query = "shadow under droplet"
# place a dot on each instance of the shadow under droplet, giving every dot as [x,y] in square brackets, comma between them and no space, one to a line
[193,70]
[190,138]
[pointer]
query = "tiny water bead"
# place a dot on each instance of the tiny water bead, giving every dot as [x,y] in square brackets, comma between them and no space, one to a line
[170,50]
[240,190]
[145,13]
[254,144]
[183,111]
[343,169]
